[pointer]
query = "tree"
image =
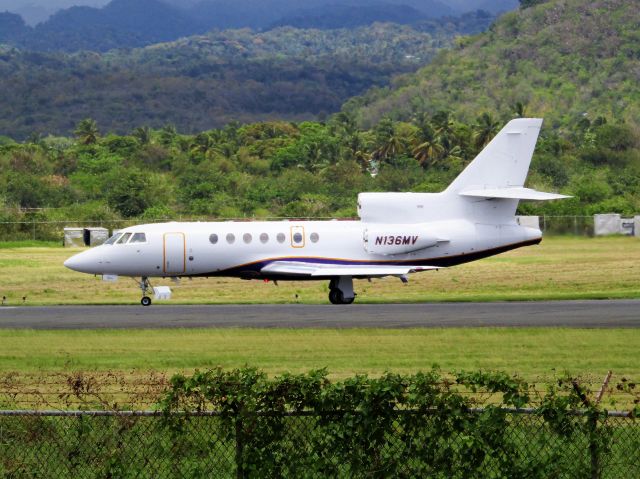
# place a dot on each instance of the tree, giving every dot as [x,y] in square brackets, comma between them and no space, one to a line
[484,130]
[168,134]
[520,109]
[142,134]
[128,192]
[388,143]
[87,131]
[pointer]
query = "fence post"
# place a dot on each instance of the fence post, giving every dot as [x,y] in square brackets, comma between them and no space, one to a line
[239,448]
[593,446]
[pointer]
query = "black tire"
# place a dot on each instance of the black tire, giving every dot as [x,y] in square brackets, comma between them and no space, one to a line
[348,301]
[335,296]
[145,301]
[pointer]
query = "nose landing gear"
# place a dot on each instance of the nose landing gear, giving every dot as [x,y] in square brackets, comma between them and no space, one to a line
[341,290]
[144,287]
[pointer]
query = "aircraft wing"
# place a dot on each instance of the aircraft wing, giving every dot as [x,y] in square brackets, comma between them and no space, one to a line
[296,268]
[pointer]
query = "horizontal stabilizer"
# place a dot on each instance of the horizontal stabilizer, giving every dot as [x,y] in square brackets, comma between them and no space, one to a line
[513,193]
[297,268]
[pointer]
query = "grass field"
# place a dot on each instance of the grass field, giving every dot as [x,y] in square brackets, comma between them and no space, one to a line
[124,360]
[559,268]
[530,352]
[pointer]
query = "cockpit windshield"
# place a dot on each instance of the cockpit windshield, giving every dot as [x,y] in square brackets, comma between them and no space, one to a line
[124,238]
[138,238]
[131,238]
[113,239]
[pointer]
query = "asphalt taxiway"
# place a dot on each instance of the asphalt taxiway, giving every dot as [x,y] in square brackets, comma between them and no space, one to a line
[571,314]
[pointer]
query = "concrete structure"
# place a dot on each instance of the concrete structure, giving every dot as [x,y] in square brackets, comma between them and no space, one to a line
[78,237]
[607,224]
[73,237]
[95,236]
[627,226]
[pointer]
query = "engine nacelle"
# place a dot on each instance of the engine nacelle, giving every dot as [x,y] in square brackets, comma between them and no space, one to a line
[396,239]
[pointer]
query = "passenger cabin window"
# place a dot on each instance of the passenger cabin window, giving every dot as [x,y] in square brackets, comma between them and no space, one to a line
[124,238]
[314,237]
[264,237]
[247,238]
[138,238]
[281,238]
[297,238]
[231,238]
[213,239]
[113,239]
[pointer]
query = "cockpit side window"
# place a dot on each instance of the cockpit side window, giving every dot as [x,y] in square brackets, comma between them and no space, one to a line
[113,239]
[138,238]
[124,238]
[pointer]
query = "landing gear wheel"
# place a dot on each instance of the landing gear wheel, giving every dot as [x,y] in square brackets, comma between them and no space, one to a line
[144,287]
[335,296]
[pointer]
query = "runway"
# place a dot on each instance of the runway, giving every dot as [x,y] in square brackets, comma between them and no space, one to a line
[570,314]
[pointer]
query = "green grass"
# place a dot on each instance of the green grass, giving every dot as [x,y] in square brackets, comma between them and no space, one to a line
[560,268]
[529,352]
[29,244]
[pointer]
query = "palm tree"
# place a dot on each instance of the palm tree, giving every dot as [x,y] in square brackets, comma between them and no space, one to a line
[202,144]
[143,134]
[485,129]
[428,152]
[520,109]
[388,142]
[427,148]
[87,131]
[168,134]
[443,124]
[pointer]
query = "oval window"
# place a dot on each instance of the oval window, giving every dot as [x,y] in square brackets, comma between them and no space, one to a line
[213,239]
[246,238]
[314,237]
[281,237]
[231,238]
[264,237]
[297,238]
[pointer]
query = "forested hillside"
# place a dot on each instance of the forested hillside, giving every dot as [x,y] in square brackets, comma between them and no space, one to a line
[565,61]
[139,23]
[207,81]
[280,169]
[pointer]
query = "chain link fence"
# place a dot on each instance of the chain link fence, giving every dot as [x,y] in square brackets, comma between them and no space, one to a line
[406,444]
[46,230]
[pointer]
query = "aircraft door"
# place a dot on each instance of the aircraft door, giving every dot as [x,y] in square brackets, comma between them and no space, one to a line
[297,237]
[174,253]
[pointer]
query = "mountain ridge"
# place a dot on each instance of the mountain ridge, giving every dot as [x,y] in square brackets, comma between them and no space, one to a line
[138,23]
[562,60]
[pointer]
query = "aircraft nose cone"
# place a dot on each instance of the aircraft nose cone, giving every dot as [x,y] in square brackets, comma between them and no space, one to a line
[81,262]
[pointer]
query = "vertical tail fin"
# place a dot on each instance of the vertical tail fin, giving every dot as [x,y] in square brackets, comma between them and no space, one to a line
[505,161]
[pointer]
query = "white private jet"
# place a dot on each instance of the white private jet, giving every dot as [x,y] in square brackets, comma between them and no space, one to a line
[398,233]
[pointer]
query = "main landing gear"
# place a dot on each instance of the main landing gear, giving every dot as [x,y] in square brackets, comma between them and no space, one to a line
[341,290]
[144,287]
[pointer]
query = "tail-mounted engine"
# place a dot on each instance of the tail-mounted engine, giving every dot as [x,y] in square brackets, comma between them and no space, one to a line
[396,239]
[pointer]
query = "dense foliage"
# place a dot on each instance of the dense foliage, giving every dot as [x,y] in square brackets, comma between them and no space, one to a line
[562,60]
[207,81]
[421,425]
[308,169]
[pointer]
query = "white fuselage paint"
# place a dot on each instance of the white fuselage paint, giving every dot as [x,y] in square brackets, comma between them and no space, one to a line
[185,249]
